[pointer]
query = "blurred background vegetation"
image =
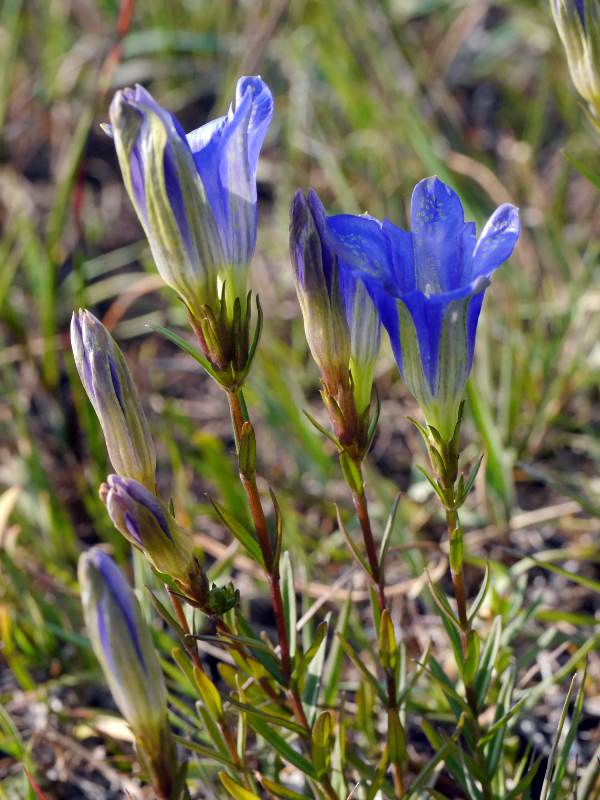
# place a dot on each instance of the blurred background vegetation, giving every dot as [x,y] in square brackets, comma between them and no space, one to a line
[370,97]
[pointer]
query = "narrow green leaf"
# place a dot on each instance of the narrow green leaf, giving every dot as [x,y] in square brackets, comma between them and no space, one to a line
[488,659]
[205,752]
[470,480]
[333,666]
[187,348]
[237,791]
[239,531]
[358,663]
[442,603]
[322,743]
[268,661]
[288,592]
[321,429]
[279,790]
[209,693]
[485,584]
[433,482]
[285,750]
[387,641]
[314,675]
[387,533]
[352,545]
[274,719]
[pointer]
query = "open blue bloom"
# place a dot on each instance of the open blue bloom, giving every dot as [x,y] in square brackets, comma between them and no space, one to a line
[122,644]
[106,378]
[341,322]
[429,286]
[195,195]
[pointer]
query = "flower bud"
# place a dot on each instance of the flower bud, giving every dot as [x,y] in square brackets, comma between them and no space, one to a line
[122,644]
[110,387]
[196,198]
[143,519]
[341,322]
[578,25]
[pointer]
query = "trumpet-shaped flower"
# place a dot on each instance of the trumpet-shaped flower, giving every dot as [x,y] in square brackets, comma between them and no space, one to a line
[110,387]
[578,25]
[195,195]
[341,322]
[143,519]
[429,286]
[122,644]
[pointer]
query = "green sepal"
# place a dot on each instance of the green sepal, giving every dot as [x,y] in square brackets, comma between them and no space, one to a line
[222,599]
[187,348]
[464,487]
[322,430]
[434,484]
[373,420]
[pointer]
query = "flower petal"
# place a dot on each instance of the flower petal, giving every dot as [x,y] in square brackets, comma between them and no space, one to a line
[497,240]
[437,222]
[403,257]
[260,117]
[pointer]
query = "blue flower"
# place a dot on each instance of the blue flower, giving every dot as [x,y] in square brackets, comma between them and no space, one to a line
[429,286]
[341,322]
[122,644]
[195,195]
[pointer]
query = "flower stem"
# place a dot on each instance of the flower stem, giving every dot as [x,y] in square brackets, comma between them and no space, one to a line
[362,512]
[447,481]
[192,652]
[239,417]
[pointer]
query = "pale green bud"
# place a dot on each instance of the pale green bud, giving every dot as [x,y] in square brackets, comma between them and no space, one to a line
[110,387]
[143,519]
[122,644]
[578,24]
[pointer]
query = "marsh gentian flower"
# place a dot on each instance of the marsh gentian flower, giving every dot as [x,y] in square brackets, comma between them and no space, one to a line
[578,25]
[110,387]
[195,196]
[341,323]
[429,286]
[143,519]
[122,644]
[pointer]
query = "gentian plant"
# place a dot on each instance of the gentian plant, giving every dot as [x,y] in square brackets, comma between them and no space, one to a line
[275,719]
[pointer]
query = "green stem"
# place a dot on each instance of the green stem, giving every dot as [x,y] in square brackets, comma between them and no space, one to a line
[448,481]
[377,575]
